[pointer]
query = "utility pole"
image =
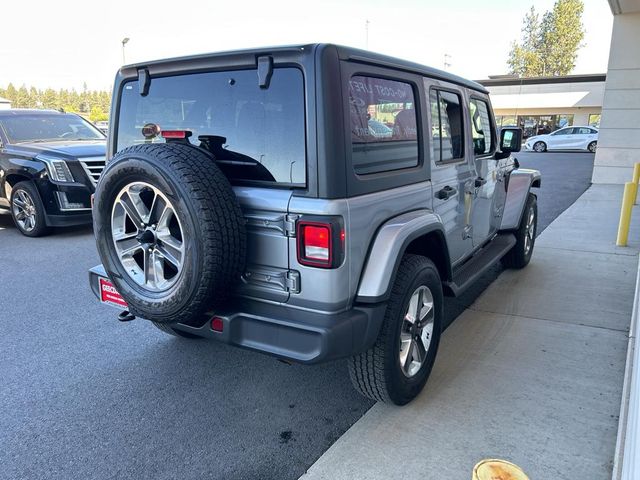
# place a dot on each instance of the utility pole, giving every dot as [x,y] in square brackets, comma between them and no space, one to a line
[366,32]
[447,61]
[125,40]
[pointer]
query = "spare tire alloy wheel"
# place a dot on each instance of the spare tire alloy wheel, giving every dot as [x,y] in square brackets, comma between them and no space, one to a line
[170,232]
[148,236]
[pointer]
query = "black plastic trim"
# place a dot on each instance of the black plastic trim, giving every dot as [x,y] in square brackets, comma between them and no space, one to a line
[297,335]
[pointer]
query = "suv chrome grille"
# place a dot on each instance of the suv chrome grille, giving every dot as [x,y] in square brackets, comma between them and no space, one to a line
[93,167]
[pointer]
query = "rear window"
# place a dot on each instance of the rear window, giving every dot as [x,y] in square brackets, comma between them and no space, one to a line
[263,129]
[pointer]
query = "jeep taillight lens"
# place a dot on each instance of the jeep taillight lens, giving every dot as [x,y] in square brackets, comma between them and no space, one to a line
[320,244]
[316,242]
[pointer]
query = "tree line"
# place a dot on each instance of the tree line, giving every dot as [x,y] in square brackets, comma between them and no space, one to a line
[550,42]
[92,104]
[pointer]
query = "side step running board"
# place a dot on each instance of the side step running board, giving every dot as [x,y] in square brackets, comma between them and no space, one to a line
[467,273]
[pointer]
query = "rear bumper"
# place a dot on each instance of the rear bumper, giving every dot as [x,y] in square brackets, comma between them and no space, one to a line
[298,335]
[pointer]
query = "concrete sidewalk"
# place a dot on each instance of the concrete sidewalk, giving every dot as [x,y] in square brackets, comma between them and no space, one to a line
[532,372]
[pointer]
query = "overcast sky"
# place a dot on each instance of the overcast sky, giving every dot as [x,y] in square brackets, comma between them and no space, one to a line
[58,43]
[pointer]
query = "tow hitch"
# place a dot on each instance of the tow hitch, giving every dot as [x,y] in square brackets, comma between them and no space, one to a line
[126,316]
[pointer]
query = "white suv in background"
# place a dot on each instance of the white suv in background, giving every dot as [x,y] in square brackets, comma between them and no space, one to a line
[568,138]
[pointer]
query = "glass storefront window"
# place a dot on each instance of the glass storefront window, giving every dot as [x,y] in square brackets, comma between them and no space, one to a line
[538,124]
[594,120]
[564,121]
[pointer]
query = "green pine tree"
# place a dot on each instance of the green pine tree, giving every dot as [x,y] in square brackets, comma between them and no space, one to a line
[549,46]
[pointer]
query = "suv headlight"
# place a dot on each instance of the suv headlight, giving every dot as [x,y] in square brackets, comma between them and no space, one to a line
[57,168]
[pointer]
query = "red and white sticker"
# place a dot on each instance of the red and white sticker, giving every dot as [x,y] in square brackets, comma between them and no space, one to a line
[109,294]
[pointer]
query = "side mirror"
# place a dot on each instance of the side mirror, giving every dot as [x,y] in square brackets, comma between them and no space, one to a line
[510,140]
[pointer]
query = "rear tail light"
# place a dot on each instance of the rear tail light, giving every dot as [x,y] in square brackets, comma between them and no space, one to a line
[320,243]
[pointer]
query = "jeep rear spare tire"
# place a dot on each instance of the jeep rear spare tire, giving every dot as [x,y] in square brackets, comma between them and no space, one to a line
[169,231]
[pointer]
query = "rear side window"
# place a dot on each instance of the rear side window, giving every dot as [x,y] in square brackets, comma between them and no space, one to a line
[263,129]
[384,133]
[481,129]
[446,125]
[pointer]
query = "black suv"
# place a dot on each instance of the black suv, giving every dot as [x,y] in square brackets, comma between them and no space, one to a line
[50,163]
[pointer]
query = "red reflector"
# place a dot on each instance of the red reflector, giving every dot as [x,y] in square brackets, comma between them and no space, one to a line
[316,236]
[174,133]
[217,325]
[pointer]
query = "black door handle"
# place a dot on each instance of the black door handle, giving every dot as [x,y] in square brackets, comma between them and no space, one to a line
[480,182]
[446,192]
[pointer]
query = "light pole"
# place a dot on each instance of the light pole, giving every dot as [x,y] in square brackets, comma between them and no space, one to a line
[125,40]
[366,33]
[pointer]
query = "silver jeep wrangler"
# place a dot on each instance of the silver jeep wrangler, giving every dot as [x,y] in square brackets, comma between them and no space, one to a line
[311,202]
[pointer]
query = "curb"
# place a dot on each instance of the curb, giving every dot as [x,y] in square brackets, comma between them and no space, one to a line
[627,455]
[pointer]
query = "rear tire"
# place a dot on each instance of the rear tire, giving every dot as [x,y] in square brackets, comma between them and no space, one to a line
[540,147]
[380,373]
[28,211]
[520,255]
[592,147]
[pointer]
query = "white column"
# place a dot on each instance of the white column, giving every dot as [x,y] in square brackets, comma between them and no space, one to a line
[619,138]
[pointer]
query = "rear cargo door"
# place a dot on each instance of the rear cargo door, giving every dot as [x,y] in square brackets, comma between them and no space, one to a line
[269,228]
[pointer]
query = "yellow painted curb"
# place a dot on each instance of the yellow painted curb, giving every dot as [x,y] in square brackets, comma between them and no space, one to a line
[494,469]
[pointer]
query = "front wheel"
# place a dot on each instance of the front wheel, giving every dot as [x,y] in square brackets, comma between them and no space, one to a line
[397,367]
[27,210]
[520,255]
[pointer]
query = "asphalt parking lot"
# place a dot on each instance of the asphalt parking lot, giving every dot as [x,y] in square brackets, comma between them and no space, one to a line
[84,396]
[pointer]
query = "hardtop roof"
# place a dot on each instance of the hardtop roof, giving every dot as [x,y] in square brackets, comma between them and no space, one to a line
[344,53]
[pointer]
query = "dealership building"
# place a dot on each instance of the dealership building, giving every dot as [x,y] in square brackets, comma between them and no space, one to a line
[609,101]
[543,104]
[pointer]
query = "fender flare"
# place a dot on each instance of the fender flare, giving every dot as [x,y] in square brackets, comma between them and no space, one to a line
[519,184]
[24,168]
[390,243]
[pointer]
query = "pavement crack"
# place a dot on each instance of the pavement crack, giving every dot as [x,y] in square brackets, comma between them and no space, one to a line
[479,310]
[624,254]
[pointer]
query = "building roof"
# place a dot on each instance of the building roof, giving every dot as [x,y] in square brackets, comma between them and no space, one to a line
[4,100]
[507,80]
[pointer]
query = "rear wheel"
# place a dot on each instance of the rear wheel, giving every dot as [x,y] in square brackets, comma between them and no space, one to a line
[520,255]
[592,147]
[397,367]
[540,147]
[27,210]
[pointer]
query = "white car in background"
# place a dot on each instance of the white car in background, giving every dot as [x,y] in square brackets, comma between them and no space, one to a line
[568,138]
